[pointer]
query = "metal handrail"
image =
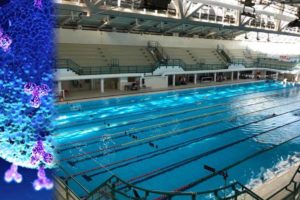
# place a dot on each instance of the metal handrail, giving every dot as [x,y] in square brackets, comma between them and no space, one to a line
[296,188]
[70,177]
[92,70]
[114,181]
[66,188]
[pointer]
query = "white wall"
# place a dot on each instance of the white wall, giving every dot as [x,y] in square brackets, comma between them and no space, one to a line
[113,38]
[64,73]
[156,82]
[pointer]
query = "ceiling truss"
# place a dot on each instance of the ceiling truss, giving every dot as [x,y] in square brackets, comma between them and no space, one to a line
[190,18]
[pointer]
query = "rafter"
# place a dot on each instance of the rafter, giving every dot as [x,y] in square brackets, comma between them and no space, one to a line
[193,9]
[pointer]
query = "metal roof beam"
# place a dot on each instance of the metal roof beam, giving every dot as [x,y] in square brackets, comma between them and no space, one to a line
[240,8]
[193,10]
[169,20]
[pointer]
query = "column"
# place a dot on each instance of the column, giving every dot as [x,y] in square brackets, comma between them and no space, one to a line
[102,85]
[174,79]
[215,76]
[93,84]
[238,75]
[59,87]
[253,74]
[141,82]
[195,79]
[232,74]
[276,76]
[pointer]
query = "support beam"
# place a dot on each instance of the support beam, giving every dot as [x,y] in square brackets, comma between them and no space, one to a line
[141,81]
[102,85]
[59,86]
[297,77]
[278,21]
[193,10]
[174,79]
[238,76]
[178,4]
[215,77]
[210,34]
[93,86]
[195,79]
[225,4]
[98,2]
[175,28]
[276,76]
[232,75]
[125,14]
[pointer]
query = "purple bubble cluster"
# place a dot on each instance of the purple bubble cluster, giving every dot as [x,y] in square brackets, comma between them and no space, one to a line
[42,181]
[5,41]
[37,92]
[38,4]
[39,154]
[12,174]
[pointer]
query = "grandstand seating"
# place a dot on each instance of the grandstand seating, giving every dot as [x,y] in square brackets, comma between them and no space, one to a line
[90,55]
[103,55]
[193,55]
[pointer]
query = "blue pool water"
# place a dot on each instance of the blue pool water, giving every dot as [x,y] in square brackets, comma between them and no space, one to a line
[161,141]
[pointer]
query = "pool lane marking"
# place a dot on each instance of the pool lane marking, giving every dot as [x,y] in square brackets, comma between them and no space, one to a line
[171,148]
[170,167]
[161,136]
[194,183]
[187,93]
[170,114]
[164,135]
[112,117]
[159,125]
[161,116]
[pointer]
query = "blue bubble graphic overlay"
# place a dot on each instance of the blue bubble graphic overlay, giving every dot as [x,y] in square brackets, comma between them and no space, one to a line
[26,88]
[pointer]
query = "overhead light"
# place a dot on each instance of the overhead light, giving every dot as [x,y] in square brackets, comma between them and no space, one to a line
[257,37]
[268,40]
[246,37]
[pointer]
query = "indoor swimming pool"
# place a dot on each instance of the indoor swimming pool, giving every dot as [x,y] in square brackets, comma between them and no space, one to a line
[162,141]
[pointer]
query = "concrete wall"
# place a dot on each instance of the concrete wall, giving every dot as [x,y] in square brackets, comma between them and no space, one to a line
[156,82]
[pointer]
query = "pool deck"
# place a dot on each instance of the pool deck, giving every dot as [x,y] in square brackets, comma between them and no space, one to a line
[96,95]
[273,185]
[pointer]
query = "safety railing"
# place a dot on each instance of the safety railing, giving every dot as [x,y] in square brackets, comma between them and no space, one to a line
[115,70]
[63,184]
[92,70]
[115,188]
[158,52]
[62,191]
[291,191]
[68,64]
